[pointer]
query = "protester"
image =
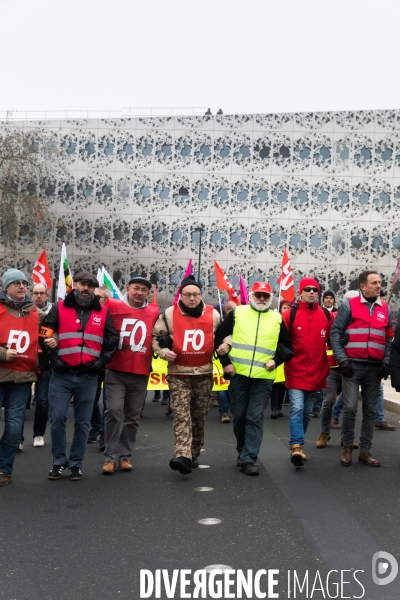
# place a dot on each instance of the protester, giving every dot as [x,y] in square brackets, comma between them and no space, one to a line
[189,328]
[328,301]
[223,396]
[87,341]
[363,360]
[278,387]
[251,364]
[128,372]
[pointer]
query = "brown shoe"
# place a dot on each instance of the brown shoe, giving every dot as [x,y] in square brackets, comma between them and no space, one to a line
[345,457]
[125,464]
[225,418]
[385,426]
[5,478]
[215,402]
[335,423]
[367,459]
[355,445]
[323,440]
[108,467]
[296,455]
[168,411]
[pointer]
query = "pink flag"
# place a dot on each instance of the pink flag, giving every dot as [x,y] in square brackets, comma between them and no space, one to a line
[244,296]
[189,271]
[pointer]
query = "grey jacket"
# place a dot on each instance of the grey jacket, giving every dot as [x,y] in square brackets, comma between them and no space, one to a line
[341,322]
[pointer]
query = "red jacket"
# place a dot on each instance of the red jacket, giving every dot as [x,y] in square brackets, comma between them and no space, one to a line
[309,333]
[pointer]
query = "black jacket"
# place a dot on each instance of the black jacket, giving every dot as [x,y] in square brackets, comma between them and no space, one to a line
[83,313]
[394,363]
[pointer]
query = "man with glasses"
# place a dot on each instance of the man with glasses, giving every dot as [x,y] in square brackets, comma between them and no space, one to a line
[189,327]
[306,373]
[40,298]
[128,372]
[86,342]
[19,330]
[251,365]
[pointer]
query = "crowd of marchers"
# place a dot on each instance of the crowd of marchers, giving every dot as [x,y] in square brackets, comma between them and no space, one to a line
[323,360]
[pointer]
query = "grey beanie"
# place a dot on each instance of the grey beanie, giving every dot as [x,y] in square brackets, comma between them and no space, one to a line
[13,275]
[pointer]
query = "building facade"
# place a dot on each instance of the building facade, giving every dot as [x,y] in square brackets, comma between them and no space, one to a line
[134,194]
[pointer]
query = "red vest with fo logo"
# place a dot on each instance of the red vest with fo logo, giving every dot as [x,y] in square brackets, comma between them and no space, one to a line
[367,333]
[20,334]
[134,327]
[193,338]
[77,346]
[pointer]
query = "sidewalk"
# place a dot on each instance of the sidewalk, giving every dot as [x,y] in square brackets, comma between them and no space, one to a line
[392,398]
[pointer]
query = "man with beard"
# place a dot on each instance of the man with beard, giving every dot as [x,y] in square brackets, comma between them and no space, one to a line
[87,341]
[251,365]
[190,325]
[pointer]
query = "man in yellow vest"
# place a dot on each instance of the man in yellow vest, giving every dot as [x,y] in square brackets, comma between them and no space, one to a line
[251,365]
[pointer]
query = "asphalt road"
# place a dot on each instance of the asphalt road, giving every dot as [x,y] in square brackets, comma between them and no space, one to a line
[89,539]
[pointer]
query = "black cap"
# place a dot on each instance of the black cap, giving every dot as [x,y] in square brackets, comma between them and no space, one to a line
[86,276]
[190,280]
[328,293]
[141,280]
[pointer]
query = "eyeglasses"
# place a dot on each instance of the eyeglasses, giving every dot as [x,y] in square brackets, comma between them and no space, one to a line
[141,290]
[309,288]
[260,295]
[195,295]
[19,283]
[39,293]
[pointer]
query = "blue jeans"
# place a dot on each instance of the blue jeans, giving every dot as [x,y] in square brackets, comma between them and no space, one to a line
[62,387]
[379,414]
[15,397]
[338,407]
[223,402]
[97,420]
[301,404]
[41,402]
[249,398]
[319,396]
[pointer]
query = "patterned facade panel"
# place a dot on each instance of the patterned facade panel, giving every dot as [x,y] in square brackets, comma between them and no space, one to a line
[142,196]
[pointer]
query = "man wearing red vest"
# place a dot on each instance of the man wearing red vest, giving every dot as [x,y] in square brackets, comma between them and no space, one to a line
[364,360]
[128,372]
[87,341]
[19,328]
[191,326]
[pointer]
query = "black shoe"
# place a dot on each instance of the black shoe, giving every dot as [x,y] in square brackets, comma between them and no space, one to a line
[75,473]
[157,396]
[56,471]
[249,469]
[102,445]
[274,414]
[181,464]
[238,462]
[195,462]
[92,439]
[280,413]
[315,414]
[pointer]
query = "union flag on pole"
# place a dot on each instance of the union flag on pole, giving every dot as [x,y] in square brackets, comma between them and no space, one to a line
[41,272]
[286,283]
[223,283]
[64,276]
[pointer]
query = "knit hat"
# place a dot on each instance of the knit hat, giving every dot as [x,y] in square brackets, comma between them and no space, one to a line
[328,293]
[86,276]
[13,275]
[190,280]
[306,281]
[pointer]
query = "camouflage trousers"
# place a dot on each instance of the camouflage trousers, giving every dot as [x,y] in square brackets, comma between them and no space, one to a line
[190,397]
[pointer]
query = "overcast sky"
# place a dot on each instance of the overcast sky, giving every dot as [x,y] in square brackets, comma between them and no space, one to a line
[243,57]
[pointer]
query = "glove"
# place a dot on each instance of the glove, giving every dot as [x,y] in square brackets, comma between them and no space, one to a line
[60,366]
[94,367]
[383,372]
[346,369]
[344,339]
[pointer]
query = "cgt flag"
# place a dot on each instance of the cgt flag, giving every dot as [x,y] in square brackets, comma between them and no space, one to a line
[41,272]
[64,277]
[286,283]
[223,283]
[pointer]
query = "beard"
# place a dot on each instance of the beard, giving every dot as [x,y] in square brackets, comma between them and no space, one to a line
[83,299]
[260,307]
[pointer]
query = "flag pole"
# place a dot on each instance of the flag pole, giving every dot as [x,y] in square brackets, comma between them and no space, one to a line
[279,299]
[220,305]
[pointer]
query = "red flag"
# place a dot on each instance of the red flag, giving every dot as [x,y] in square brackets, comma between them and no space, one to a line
[223,283]
[285,280]
[154,299]
[41,271]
